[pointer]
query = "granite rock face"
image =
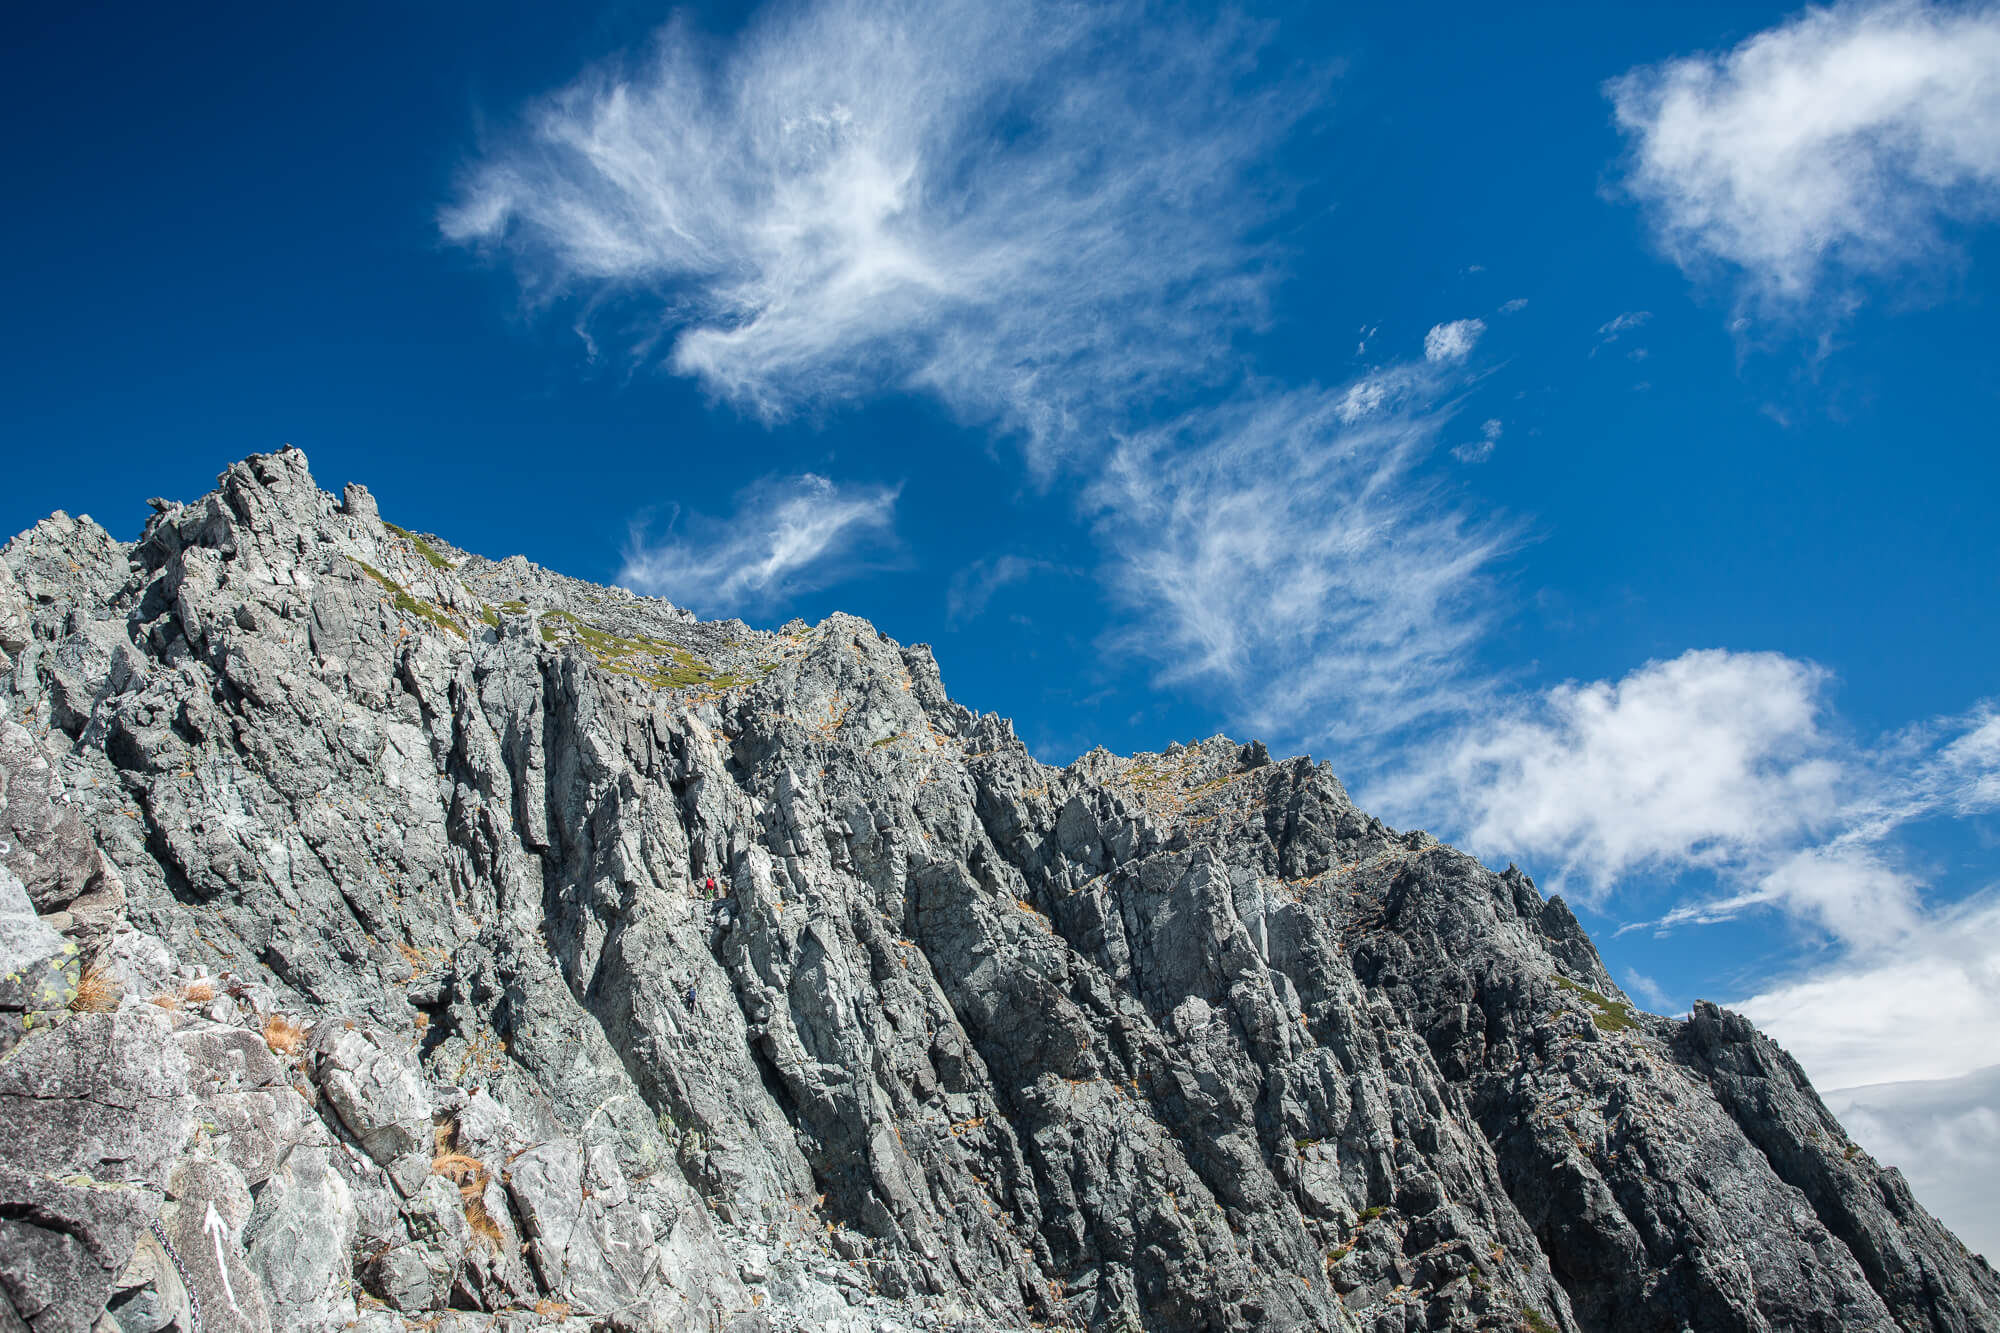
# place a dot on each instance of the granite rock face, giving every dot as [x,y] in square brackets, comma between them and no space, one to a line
[362,969]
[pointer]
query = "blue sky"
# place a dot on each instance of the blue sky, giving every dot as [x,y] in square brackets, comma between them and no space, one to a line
[1577,426]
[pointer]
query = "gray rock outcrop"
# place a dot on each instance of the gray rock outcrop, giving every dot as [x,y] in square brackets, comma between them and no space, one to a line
[360,968]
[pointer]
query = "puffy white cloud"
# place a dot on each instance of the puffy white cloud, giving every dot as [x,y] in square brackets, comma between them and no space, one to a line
[1726,762]
[1832,144]
[1447,343]
[1732,762]
[1038,212]
[787,536]
[1693,761]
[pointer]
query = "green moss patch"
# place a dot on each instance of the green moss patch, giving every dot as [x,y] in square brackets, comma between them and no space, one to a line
[435,615]
[653,662]
[1609,1015]
[422,547]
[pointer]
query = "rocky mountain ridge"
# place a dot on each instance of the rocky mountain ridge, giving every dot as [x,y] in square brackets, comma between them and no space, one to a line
[360,971]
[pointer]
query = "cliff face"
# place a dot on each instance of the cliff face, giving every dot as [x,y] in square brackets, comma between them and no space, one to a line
[361,971]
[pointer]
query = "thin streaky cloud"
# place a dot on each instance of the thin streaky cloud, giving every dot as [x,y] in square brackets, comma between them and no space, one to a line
[973,587]
[822,212]
[1287,549]
[787,536]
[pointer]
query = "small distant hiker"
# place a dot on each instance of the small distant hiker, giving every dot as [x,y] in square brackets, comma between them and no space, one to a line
[710,887]
[690,996]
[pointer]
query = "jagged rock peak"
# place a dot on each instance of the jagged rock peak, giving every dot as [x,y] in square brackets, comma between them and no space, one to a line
[396,937]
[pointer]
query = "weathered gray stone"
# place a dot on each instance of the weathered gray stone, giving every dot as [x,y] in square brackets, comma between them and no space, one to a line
[38,967]
[62,1242]
[374,1085]
[104,1096]
[203,1222]
[300,1240]
[1174,1042]
[17,618]
[43,840]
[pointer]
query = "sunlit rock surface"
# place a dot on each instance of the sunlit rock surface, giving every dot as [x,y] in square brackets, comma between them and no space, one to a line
[361,970]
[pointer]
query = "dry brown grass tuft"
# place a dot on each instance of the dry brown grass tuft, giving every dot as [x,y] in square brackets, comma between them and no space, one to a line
[482,1223]
[200,991]
[551,1309]
[468,1172]
[97,991]
[282,1035]
[170,1003]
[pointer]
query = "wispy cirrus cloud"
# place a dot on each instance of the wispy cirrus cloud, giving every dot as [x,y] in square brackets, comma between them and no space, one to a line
[1288,550]
[1048,217]
[1830,147]
[1481,449]
[788,535]
[1038,213]
[974,586]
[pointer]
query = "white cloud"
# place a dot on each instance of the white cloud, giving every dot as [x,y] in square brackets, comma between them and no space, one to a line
[1898,1036]
[1732,762]
[1613,329]
[1649,990]
[1514,306]
[1448,343]
[1830,146]
[1478,451]
[1727,762]
[1923,1003]
[1034,212]
[1044,216]
[974,586]
[1944,1134]
[787,536]
[1285,548]
[1688,762]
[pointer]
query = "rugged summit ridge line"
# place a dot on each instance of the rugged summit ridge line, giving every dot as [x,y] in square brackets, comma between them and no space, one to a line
[359,970]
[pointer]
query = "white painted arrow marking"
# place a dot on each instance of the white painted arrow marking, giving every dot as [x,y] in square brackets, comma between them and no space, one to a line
[217,1229]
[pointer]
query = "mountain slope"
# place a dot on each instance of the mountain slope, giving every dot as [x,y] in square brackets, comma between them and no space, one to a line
[382,870]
